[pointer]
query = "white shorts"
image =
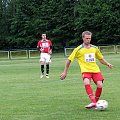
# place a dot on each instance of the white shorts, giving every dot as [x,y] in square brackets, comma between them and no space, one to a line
[45,57]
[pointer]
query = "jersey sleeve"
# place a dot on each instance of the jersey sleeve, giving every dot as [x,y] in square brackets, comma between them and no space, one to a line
[73,55]
[99,54]
[50,43]
[38,45]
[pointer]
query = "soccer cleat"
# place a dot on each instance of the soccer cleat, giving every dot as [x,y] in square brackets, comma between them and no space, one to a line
[91,105]
[96,108]
[47,76]
[41,76]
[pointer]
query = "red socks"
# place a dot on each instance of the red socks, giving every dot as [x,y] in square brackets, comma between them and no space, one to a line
[89,92]
[98,93]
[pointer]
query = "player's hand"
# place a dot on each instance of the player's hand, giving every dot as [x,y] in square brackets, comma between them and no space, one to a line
[50,52]
[41,50]
[110,65]
[63,76]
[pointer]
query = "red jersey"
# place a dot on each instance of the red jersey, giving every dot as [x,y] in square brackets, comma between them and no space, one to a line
[44,45]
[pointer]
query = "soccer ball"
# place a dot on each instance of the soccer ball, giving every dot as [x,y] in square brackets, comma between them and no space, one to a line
[102,105]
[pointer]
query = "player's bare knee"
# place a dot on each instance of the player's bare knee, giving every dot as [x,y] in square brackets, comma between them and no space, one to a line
[86,81]
[99,84]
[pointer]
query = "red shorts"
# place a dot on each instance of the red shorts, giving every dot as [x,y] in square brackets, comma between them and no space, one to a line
[95,76]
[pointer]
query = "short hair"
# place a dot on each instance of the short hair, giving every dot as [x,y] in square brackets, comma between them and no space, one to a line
[86,33]
[44,34]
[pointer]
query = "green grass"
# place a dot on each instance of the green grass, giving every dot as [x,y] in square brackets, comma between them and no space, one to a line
[24,96]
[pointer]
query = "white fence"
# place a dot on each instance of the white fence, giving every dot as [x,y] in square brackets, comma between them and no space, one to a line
[115,49]
[34,53]
[19,54]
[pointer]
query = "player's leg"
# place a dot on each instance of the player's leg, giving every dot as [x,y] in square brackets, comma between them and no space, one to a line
[89,91]
[42,62]
[42,69]
[47,70]
[98,90]
[47,65]
[98,79]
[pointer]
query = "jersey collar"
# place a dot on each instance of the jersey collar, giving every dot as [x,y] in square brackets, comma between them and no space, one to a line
[84,46]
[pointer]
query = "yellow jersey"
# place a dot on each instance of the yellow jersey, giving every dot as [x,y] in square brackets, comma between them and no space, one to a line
[87,58]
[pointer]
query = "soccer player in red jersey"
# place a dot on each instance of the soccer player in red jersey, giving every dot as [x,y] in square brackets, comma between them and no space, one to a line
[45,47]
[86,55]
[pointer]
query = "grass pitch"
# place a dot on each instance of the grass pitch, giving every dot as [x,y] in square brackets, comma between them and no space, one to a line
[24,96]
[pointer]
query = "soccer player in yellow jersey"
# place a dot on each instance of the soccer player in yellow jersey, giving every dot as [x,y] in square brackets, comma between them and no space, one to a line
[87,54]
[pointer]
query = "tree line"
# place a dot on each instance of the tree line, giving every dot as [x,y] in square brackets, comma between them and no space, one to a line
[23,21]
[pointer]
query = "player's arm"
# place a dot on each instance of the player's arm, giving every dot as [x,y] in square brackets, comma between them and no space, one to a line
[50,51]
[38,48]
[103,61]
[51,47]
[63,75]
[68,61]
[38,45]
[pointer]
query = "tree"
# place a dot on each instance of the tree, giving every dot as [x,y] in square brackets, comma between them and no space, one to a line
[23,21]
[55,18]
[100,17]
[3,22]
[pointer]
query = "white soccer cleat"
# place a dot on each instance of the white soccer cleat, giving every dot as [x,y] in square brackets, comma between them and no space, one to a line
[47,76]
[41,76]
[91,105]
[96,108]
